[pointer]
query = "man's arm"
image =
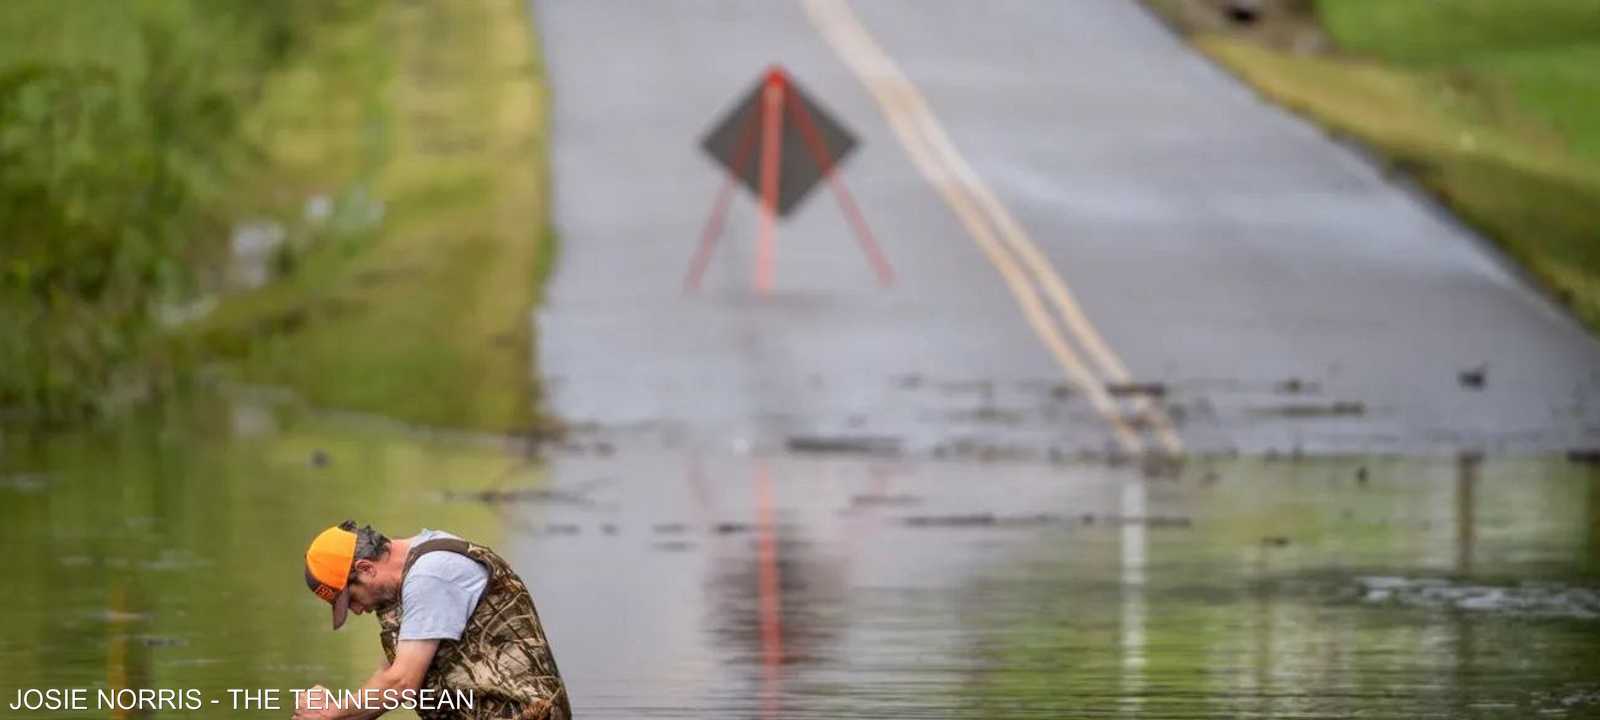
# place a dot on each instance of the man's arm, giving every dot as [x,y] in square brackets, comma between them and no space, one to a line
[411,660]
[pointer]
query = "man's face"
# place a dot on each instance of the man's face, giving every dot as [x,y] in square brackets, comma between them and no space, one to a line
[369,591]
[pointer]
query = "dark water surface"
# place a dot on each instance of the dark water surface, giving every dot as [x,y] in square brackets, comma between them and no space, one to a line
[165,553]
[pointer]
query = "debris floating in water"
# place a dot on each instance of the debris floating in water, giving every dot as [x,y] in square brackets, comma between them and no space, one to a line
[844,444]
[1309,410]
[1041,520]
[1584,456]
[1532,599]
[1149,389]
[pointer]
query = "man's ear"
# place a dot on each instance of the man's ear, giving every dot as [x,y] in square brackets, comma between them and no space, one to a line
[366,570]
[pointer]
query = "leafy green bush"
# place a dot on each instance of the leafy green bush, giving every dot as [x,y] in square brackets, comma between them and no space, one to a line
[120,129]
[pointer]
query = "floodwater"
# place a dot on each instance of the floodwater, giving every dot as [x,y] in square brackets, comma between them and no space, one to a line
[718,582]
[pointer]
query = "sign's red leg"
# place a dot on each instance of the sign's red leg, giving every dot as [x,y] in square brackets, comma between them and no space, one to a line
[819,151]
[719,209]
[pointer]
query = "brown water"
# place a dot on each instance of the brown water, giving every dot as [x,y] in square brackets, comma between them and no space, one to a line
[164,553]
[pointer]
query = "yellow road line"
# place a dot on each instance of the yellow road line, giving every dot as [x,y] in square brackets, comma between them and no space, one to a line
[1065,303]
[859,51]
[938,160]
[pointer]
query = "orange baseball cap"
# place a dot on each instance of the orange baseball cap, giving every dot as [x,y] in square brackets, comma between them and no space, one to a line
[328,563]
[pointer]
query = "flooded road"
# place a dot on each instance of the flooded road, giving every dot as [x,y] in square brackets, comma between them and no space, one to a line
[950,498]
[835,500]
[772,586]
[707,582]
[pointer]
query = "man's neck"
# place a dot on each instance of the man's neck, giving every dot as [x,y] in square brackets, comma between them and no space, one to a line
[399,550]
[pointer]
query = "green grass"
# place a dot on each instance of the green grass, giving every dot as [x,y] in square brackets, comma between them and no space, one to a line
[120,141]
[435,110]
[1542,52]
[1493,105]
[1559,84]
[1447,31]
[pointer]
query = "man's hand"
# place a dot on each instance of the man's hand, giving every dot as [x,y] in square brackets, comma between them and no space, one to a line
[411,661]
[317,697]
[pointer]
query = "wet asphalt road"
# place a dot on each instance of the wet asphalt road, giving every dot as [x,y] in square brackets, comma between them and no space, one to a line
[1283,292]
[1070,198]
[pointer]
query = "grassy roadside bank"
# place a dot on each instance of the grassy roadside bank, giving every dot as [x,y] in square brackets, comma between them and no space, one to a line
[407,182]
[1493,106]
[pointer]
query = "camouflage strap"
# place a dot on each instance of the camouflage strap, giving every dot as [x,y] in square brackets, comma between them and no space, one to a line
[459,547]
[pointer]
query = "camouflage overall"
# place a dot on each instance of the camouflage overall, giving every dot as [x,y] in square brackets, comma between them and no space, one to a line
[502,656]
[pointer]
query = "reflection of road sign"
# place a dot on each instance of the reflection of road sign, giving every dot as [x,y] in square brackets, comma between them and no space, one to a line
[779,143]
[800,168]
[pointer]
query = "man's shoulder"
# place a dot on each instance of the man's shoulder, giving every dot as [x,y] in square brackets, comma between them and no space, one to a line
[445,564]
[428,535]
[435,544]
